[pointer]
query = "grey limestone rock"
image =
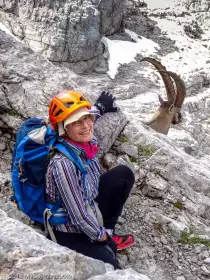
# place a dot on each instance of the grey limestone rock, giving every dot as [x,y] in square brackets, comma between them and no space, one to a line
[64,31]
[128,274]
[197,5]
[129,149]
[26,253]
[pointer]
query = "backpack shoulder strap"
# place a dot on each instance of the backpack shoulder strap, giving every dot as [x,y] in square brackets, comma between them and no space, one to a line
[69,152]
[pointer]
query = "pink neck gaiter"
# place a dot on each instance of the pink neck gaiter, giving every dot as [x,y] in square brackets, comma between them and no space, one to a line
[89,148]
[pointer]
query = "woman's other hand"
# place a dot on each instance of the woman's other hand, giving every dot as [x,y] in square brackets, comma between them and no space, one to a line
[104,238]
[105,103]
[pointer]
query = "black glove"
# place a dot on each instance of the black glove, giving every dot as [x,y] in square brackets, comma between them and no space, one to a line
[105,103]
[110,245]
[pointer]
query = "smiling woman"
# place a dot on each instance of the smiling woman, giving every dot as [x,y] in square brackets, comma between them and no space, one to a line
[92,201]
[81,130]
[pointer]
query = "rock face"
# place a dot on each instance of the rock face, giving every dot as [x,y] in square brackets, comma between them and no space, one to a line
[64,31]
[197,6]
[26,253]
[168,210]
[111,15]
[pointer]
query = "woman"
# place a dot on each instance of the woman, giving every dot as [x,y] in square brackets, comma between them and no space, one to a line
[94,204]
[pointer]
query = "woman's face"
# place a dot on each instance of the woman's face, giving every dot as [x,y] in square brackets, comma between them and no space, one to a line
[82,130]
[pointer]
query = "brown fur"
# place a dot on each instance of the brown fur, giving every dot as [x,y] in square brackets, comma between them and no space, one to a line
[168,111]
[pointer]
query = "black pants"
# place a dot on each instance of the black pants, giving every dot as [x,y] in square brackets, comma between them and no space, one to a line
[114,188]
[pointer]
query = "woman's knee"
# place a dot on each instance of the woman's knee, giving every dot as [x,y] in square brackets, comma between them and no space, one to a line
[126,173]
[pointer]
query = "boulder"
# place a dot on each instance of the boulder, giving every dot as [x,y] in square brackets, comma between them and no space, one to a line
[26,253]
[64,31]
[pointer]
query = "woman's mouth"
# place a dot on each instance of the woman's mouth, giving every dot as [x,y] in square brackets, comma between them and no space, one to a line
[85,133]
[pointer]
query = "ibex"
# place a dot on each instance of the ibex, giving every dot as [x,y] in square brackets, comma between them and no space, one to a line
[169,111]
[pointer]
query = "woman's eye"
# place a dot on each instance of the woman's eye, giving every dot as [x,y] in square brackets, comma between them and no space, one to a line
[76,122]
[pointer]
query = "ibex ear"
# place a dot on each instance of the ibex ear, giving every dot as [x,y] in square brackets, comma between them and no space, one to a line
[160,99]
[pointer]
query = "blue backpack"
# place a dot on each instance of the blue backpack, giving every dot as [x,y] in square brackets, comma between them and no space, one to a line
[35,143]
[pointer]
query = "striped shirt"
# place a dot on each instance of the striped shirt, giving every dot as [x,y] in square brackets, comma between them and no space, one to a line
[64,180]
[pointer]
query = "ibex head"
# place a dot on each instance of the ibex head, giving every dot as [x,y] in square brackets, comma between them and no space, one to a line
[169,111]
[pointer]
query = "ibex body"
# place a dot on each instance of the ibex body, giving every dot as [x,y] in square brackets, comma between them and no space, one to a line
[169,111]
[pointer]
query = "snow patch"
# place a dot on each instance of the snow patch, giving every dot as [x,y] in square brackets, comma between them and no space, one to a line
[122,52]
[6,30]
[165,5]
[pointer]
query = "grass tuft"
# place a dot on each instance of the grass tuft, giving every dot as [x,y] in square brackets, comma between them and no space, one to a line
[146,150]
[178,204]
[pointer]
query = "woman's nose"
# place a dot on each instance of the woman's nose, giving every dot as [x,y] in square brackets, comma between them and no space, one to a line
[84,123]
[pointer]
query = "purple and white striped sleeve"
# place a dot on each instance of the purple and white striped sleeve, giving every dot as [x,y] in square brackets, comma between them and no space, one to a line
[64,172]
[94,110]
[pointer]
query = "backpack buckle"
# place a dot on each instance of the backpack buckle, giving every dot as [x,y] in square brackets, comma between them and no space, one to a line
[20,166]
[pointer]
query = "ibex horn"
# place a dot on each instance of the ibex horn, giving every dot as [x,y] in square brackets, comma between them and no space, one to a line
[180,88]
[171,93]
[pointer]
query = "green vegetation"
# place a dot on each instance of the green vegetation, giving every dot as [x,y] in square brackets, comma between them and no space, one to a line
[124,252]
[158,227]
[178,204]
[133,159]
[146,150]
[12,113]
[123,139]
[190,238]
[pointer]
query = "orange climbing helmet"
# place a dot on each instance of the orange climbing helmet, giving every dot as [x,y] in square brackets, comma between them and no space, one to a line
[64,104]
